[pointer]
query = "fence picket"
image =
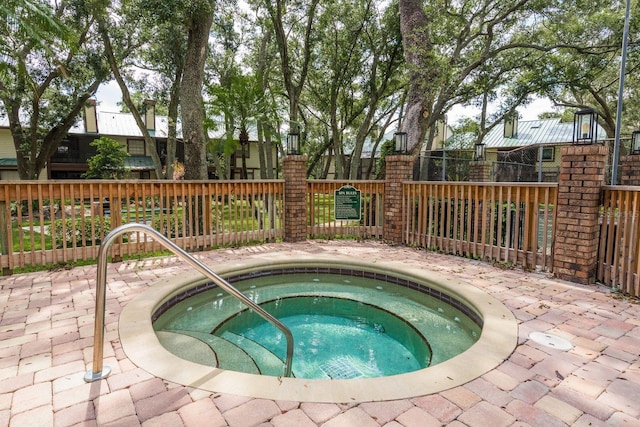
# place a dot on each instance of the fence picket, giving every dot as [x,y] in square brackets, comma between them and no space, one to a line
[619,248]
[503,222]
[486,220]
[77,210]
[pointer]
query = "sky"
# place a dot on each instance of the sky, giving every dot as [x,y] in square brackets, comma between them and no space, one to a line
[109,95]
[528,112]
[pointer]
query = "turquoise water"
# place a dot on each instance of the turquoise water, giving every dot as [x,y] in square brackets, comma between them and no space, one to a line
[343,327]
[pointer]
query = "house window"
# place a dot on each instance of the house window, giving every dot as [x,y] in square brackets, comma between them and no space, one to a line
[548,154]
[135,147]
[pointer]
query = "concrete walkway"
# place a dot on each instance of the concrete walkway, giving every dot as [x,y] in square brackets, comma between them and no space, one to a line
[46,333]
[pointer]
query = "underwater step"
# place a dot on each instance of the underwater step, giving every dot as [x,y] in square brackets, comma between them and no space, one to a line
[268,363]
[207,349]
[187,347]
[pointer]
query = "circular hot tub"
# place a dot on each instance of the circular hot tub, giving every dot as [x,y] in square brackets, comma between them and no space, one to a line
[193,318]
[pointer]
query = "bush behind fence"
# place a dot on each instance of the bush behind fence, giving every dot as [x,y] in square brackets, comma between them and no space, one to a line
[65,221]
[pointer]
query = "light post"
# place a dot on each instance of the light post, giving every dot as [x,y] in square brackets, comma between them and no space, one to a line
[479,151]
[585,124]
[293,143]
[635,142]
[623,63]
[400,142]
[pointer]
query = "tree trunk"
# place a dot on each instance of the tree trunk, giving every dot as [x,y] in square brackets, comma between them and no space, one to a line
[172,131]
[195,140]
[261,151]
[417,46]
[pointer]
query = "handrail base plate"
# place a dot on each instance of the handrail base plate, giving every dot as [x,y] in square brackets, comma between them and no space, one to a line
[91,376]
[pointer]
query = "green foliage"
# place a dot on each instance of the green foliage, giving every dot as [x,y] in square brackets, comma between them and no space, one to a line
[50,66]
[108,162]
[31,20]
[550,115]
[464,135]
[167,224]
[388,147]
[80,230]
[138,99]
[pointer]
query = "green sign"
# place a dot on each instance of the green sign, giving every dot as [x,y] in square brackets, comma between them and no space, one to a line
[347,203]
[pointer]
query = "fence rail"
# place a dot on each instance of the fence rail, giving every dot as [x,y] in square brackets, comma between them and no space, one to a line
[321,211]
[619,249]
[507,223]
[65,221]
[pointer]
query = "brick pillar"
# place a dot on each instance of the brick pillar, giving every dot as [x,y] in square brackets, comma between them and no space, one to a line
[399,168]
[577,228]
[630,170]
[295,198]
[480,171]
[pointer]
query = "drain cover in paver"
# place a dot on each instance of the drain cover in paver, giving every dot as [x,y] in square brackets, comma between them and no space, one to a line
[552,341]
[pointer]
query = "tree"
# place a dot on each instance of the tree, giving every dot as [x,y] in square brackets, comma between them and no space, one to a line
[293,27]
[30,19]
[45,83]
[464,134]
[114,64]
[242,103]
[224,75]
[383,82]
[198,19]
[137,36]
[423,68]
[353,83]
[449,46]
[163,62]
[109,160]
[581,65]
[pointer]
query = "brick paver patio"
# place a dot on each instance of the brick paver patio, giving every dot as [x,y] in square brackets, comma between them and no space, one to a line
[46,343]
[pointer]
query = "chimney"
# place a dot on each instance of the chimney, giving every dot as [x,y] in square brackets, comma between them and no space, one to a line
[150,114]
[511,126]
[90,116]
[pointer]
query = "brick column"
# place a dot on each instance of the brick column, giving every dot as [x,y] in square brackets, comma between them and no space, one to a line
[480,171]
[577,228]
[399,168]
[295,198]
[630,169]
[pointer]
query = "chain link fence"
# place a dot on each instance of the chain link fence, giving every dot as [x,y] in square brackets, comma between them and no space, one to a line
[534,163]
[452,165]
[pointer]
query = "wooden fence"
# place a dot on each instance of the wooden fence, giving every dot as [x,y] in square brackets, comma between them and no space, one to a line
[619,250]
[321,221]
[65,221]
[510,223]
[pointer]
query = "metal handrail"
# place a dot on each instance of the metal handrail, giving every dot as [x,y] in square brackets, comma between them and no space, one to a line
[98,371]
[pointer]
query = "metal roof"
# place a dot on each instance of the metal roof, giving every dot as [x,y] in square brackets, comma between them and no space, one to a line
[533,132]
[122,124]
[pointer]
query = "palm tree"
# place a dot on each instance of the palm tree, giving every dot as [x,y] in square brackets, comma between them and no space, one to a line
[241,103]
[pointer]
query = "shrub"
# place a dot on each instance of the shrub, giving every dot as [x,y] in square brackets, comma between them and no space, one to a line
[109,160]
[166,224]
[102,226]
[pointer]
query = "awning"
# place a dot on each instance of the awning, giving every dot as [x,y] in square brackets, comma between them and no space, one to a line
[139,163]
[8,163]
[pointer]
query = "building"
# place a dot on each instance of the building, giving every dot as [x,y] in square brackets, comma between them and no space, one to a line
[519,150]
[70,159]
